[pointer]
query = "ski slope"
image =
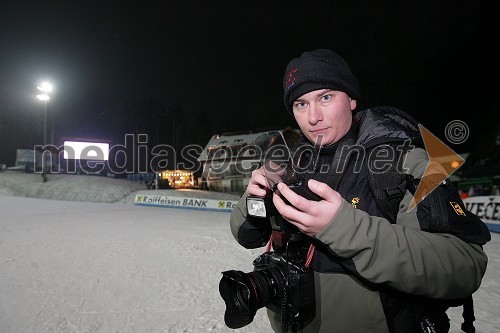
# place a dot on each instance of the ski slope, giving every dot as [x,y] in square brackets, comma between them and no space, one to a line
[68,266]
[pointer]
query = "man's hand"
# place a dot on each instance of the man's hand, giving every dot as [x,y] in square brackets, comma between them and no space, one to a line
[311,217]
[257,185]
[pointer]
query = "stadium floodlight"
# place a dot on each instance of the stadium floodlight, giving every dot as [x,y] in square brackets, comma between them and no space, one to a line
[43,97]
[45,87]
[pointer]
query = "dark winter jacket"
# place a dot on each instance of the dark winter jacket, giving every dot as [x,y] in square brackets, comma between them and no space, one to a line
[366,267]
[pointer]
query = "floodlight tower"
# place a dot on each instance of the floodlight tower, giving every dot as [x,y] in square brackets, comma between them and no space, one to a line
[45,89]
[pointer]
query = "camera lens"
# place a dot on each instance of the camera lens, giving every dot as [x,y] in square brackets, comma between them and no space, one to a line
[245,293]
[242,297]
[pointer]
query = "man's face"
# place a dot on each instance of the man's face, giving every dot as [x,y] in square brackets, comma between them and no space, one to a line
[324,115]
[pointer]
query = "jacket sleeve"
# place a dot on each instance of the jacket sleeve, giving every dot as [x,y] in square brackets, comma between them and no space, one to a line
[401,255]
[250,232]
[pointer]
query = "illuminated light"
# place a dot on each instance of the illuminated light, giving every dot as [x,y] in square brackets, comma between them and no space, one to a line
[455,164]
[256,207]
[95,151]
[45,87]
[43,97]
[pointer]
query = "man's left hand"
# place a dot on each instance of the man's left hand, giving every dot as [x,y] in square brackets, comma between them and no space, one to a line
[311,217]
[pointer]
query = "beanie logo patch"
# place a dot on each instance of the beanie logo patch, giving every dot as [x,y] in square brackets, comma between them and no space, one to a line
[290,79]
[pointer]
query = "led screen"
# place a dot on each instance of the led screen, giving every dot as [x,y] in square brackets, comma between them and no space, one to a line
[95,151]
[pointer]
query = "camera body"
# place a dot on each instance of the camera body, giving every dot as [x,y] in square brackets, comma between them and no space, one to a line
[296,298]
[280,281]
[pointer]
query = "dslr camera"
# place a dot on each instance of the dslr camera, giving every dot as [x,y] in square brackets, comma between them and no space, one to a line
[281,280]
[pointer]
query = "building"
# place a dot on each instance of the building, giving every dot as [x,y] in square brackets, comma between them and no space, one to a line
[229,159]
[175,179]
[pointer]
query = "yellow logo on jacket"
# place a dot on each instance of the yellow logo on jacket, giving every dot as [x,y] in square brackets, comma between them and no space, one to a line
[355,201]
[457,208]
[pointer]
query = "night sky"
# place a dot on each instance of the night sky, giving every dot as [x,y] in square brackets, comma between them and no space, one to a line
[181,71]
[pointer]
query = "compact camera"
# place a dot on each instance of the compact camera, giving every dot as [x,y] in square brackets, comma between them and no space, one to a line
[281,280]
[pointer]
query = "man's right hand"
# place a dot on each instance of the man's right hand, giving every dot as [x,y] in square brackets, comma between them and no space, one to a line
[257,185]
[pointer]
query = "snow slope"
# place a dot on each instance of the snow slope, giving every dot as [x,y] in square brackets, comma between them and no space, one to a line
[87,188]
[68,187]
[68,266]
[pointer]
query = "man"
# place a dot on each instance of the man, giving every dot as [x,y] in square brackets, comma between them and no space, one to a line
[371,275]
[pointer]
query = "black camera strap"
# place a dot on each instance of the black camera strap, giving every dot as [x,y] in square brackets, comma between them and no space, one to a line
[339,163]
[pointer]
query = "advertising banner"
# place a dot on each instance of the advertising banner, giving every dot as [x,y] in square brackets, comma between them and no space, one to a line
[487,208]
[183,202]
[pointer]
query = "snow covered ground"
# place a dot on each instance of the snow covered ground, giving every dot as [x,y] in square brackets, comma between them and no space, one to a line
[70,266]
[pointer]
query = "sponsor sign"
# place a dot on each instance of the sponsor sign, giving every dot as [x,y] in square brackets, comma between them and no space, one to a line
[487,208]
[186,203]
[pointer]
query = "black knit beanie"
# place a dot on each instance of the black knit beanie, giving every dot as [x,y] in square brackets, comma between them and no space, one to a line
[319,69]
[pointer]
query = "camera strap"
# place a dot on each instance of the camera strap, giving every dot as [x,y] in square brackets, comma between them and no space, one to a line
[309,256]
[339,162]
[332,179]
